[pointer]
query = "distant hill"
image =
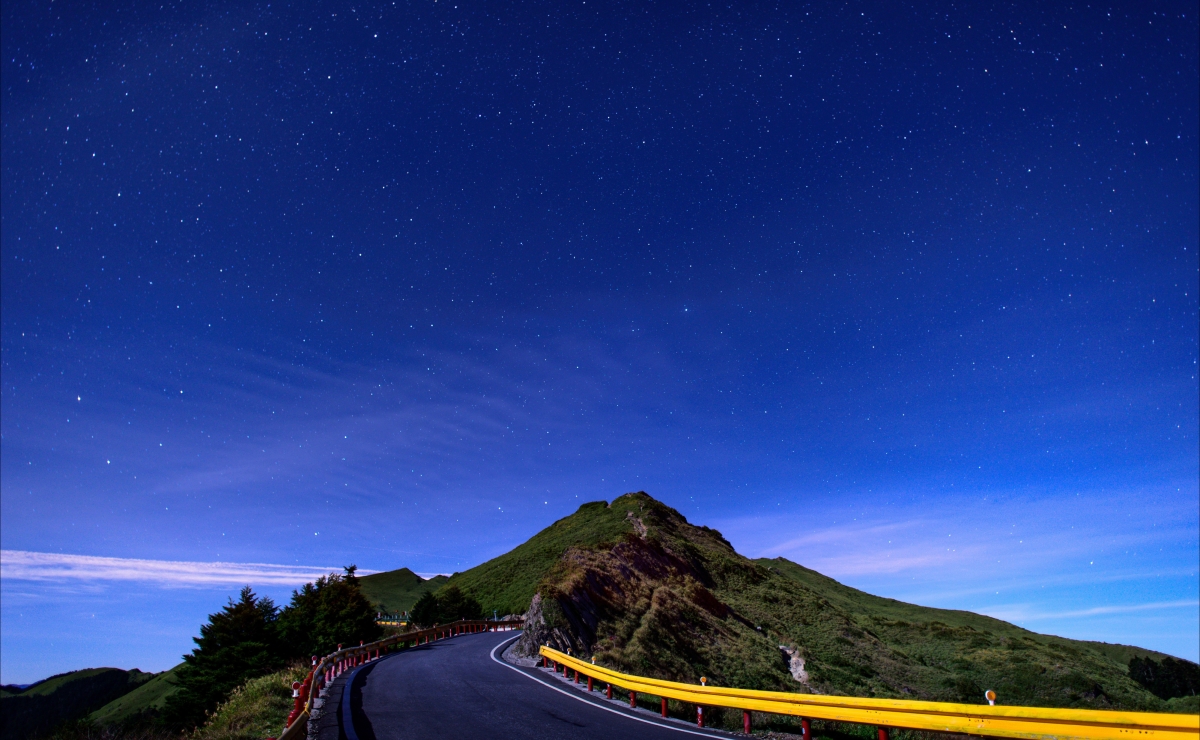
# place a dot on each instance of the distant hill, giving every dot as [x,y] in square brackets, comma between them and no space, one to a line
[636,585]
[397,590]
[67,696]
[142,702]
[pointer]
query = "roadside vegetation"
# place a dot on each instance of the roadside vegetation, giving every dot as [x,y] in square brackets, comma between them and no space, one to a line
[235,684]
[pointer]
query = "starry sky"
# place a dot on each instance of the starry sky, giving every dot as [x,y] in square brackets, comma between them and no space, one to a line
[907,294]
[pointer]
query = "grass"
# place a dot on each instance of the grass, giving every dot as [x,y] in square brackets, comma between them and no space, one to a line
[75,679]
[64,698]
[1184,704]
[397,590]
[145,699]
[255,710]
[507,583]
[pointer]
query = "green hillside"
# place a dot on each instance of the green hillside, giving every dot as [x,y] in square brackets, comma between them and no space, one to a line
[147,698]
[507,583]
[67,696]
[860,602]
[641,589]
[397,590]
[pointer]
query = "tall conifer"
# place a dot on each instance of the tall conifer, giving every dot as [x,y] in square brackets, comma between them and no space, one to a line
[239,642]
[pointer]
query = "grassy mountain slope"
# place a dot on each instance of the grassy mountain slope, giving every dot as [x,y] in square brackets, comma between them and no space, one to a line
[634,584]
[255,710]
[64,697]
[397,590]
[151,696]
[507,583]
[860,602]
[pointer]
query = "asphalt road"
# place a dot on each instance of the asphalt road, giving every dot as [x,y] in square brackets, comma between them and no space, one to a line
[460,688]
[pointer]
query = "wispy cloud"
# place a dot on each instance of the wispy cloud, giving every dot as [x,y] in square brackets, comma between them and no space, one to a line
[22,565]
[1022,613]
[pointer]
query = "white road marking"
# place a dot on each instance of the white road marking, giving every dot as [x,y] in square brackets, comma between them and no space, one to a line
[592,703]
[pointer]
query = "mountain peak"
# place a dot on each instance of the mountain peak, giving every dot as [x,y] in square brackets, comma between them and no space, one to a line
[641,589]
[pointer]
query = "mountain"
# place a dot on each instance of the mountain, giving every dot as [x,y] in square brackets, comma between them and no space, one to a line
[397,590]
[141,702]
[67,696]
[641,589]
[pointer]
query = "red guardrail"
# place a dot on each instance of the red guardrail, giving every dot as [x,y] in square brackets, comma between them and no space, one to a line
[325,670]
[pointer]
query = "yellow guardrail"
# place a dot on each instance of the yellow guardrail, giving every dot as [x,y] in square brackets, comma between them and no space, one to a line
[1037,723]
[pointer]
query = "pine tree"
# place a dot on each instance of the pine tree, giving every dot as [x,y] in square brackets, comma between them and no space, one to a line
[426,612]
[327,613]
[454,605]
[239,642]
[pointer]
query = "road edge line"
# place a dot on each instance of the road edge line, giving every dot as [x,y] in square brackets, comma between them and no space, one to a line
[592,703]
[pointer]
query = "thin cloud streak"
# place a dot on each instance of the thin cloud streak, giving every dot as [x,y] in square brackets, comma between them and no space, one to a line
[1021,614]
[22,565]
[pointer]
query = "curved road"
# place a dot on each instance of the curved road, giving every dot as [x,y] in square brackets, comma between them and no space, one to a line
[460,688]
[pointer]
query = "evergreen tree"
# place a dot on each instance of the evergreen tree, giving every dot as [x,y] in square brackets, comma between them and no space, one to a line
[327,613]
[239,643]
[426,612]
[454,605]
[1168,679]
[449,605]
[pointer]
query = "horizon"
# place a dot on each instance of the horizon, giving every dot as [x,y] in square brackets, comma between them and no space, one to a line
[271,580]
[906,295]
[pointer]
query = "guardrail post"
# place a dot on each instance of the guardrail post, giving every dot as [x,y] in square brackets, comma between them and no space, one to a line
[608,691]
[633,700]
[699,716]
[576,675]
[883,733]
[806,729]
[296,704]
[664,706]
[746,721]
[589,684]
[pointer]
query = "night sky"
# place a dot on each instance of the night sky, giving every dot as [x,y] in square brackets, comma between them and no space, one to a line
[905,294]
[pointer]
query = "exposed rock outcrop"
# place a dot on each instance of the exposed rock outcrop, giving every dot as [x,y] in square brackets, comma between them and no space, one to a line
[538,632]
[795,663]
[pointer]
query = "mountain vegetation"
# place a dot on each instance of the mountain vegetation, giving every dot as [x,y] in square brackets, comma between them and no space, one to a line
[224,688]
[252,637]
[239,642]
[252,711]
[449,605]
[146,701]
[638,587]
[70,696]
[397,591]
[324,614]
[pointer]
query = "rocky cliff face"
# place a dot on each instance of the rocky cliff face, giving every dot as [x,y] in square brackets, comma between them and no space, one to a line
[665,598]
